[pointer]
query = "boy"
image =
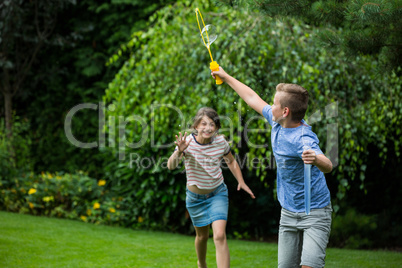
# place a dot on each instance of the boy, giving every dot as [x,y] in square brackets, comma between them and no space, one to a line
[302,238]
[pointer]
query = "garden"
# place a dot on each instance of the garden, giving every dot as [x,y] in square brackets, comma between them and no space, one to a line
[92,102]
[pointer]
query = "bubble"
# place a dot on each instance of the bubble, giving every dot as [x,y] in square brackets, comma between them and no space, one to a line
[209,34]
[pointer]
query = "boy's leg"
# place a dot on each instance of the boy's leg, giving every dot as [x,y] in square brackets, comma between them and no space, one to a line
[290,241]
[221,245]
[201,239]
[316,237]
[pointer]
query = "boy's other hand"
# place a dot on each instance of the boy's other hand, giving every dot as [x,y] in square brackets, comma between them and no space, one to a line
[221,73]
[309,157]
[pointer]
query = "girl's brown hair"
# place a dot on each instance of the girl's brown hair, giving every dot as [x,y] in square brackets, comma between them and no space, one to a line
[296,100]
[206,111]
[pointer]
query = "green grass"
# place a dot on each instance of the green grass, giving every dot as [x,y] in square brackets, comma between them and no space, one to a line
[29,241]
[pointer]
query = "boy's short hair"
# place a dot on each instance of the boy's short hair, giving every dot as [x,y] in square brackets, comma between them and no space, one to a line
[296,100]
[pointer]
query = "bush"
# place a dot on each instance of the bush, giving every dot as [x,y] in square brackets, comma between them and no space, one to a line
[15,150]
[74,196]
[353,230]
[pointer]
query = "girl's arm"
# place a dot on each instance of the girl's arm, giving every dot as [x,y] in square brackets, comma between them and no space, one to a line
[235,169]
[176,157]
[174,160]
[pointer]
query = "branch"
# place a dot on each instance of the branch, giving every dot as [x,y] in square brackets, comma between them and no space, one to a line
[373,4]
[42,36]
[47,30]
[26,68]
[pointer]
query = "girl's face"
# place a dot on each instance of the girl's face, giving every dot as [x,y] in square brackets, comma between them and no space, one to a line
[206,128]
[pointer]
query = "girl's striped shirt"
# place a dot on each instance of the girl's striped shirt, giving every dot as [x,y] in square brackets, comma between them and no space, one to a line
[203,162]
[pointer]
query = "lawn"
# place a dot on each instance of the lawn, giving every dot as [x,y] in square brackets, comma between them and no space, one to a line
[29,241]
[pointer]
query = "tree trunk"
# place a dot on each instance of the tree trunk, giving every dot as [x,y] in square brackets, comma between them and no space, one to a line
[8,96]
[8,112]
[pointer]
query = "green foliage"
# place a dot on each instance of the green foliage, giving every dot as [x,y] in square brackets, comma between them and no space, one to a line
[370,26]
[71,71]
[375,121]
[154,198]
[25,28]
[353,230]
[15,153]
[166,80]
[64,195]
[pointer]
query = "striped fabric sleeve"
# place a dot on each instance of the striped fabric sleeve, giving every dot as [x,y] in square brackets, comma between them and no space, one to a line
[227,148]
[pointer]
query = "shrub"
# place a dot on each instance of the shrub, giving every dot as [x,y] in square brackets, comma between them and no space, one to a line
[353,230]
[74,196]
[15,150]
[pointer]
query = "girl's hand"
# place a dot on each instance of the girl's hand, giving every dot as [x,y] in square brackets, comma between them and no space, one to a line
[245,188]
[309,157]
[181,142]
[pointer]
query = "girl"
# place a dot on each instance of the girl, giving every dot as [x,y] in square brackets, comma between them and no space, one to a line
[207,195]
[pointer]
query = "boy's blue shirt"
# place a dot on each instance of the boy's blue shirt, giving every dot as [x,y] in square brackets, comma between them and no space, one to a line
[287,145]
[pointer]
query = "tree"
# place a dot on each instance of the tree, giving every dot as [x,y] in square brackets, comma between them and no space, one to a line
[26,27]
[68,69]
[370,26]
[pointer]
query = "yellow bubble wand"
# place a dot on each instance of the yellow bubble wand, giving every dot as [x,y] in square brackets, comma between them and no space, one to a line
[214,66]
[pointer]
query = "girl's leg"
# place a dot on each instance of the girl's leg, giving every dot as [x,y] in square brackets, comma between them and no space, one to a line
[201,239]
[221,245]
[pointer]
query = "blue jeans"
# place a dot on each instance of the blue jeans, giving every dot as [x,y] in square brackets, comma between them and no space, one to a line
[303,238]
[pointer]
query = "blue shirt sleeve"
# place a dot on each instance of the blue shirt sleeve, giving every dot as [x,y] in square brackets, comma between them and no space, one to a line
[310,139]
[267,113]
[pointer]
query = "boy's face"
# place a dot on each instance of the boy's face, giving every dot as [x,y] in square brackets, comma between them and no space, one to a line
[277,111]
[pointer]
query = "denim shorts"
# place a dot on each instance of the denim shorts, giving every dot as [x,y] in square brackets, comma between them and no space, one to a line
[303,238]
[204,209]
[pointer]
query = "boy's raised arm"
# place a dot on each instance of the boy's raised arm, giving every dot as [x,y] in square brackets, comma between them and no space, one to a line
[246,93]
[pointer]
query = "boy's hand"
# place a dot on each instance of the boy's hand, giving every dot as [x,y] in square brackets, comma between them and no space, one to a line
[181,142]
[309,157]
[245,188]
[221,73]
